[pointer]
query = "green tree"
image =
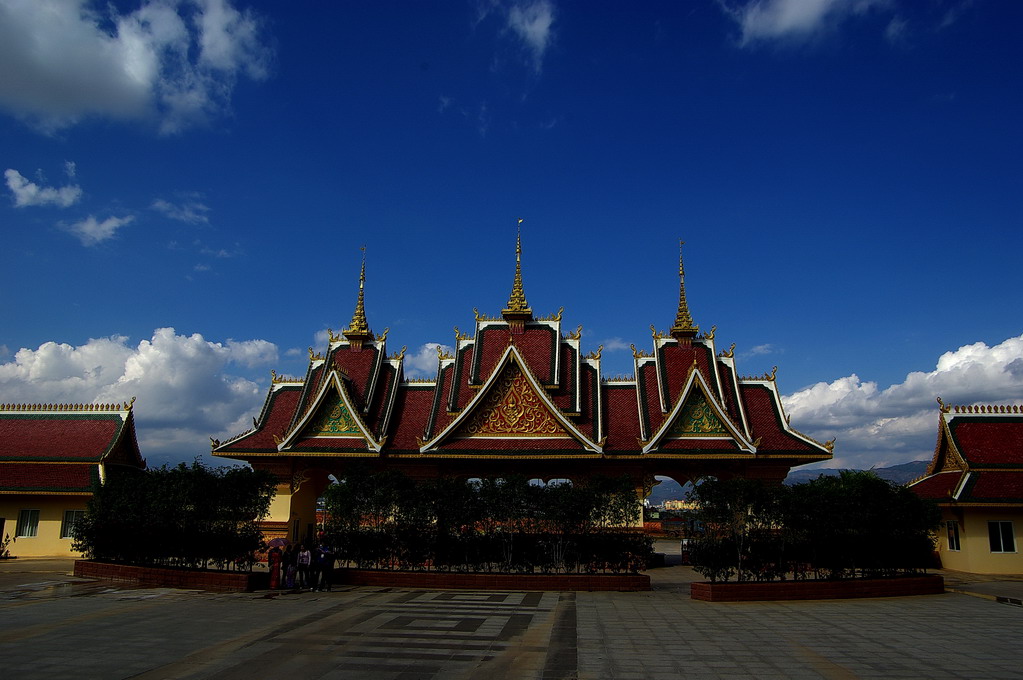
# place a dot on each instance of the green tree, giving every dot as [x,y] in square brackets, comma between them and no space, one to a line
[192,516]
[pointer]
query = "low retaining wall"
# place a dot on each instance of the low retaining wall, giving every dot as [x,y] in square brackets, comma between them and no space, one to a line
[817,590]
[454,580]
[191,579]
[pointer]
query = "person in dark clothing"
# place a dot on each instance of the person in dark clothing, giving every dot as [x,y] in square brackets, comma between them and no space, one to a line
[325,567]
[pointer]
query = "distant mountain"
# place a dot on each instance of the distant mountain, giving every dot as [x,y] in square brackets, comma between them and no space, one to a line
[900,474]
[669,489]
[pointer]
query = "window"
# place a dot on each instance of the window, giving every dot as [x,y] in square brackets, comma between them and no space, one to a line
[953,534]
[67,527]
[28,523]
[1000,535]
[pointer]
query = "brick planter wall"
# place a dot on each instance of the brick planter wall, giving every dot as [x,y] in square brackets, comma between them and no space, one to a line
[448,580]
[191,579]
[817,590]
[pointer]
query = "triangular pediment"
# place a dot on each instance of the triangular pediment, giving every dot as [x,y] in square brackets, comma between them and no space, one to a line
[697,418]
[697,415]
[332,416]
[512,406]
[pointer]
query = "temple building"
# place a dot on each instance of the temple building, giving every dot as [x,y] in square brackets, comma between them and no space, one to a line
[976,478]
[51,456]
[518,395]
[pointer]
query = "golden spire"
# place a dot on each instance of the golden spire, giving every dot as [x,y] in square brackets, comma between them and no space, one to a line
[684,329]
[517,312]
[358,329]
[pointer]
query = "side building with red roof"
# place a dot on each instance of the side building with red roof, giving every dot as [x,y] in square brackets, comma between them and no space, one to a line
[518,395]
[51,455]
[976,477]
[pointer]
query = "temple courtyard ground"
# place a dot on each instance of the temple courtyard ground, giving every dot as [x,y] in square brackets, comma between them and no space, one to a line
[54,626]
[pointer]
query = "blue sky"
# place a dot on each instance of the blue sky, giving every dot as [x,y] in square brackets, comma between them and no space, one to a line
[188,184]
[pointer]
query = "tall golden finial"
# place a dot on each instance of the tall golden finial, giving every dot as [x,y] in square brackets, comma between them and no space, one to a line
[684,329]
[517,312]
[358,329]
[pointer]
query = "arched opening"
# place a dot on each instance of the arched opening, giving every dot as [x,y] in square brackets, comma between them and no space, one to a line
[667,516]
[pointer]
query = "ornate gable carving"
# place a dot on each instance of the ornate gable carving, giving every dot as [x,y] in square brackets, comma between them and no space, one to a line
[333,420]
[512,409]
[697,419]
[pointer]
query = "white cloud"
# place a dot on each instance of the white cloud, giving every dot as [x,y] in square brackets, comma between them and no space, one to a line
[615,345]
[759,350]
[28,193]
[899,423]
[91,231]
[763,20]
[192,212]
[175,61]
[531,22]
[184,388]
[423,362]
[896,30]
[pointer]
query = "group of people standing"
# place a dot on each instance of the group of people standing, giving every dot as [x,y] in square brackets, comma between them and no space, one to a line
[301,568]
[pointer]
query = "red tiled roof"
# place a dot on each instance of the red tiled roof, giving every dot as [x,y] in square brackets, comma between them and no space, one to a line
[537,344]
[411,413]
[937,487]
[58,436]
[989,440]
[765,422]
[994,486]
[359,366]
[621,416]
[276,418]
[47,477]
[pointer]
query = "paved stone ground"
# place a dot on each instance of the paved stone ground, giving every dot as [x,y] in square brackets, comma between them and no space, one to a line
[54,626]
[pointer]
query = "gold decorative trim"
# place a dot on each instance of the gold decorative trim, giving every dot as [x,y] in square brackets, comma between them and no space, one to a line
[278,379]
[595,354]
[978,409]
[69,408]
[730,353]
[658,335]
[483,317]
[442,355]
[459,335]
[399,355]
[640,354]
[383,336]
[314,356]
[577,333]
[552,317]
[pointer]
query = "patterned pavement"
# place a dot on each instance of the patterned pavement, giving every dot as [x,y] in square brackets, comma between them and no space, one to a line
[57,627]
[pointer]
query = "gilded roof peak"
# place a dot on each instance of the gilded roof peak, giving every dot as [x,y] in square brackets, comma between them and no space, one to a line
[517,307]
[358,328]
[684,326]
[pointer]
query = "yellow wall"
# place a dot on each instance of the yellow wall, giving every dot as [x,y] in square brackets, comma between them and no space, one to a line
[975,554]
[47,541]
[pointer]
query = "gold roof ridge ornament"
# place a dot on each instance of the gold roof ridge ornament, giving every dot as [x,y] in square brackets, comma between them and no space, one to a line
[518,312]
[684,330]
[358,330]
